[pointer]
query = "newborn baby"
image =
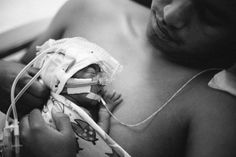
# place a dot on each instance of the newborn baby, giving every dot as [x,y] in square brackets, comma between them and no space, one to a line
[77,71]
[93,105]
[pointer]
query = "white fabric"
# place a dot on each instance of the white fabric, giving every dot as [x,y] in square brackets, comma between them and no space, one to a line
[225,80]
[62,59]
[89,149]
[69,55]
[78,90]
[93,96]
[74,82]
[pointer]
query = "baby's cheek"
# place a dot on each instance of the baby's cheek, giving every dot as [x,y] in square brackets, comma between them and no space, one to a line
[96,88]
[84,101]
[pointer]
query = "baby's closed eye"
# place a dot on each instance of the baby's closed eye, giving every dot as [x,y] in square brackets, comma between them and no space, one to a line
[85,73]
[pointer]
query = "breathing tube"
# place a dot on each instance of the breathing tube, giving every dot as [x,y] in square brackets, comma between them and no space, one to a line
[13,143]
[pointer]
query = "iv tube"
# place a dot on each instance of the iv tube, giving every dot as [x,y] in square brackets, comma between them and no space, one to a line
[14,100]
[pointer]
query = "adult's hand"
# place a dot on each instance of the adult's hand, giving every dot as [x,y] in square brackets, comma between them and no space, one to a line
[41,140]
[34,97]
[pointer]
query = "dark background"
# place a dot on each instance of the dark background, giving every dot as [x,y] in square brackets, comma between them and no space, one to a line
[146,3]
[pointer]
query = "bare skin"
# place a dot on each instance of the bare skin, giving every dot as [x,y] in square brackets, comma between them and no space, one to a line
[199,122]
[97,110]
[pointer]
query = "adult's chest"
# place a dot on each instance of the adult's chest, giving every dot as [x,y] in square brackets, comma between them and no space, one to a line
[145,92]
[145,84]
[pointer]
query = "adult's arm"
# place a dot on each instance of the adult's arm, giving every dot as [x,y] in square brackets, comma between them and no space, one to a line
[56,28]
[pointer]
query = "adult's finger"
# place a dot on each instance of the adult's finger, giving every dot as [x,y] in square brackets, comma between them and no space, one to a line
[32,71]
[36,120]
[62,122]
[24,128]
[30,101]
[27,103]
[24,124]
[37,89]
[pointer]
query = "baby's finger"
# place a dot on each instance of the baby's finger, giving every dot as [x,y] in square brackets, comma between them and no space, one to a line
[118,101]
[113,105]
[116,97]
[113,95]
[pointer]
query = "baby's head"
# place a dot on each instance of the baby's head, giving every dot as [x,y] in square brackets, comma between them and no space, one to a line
[76,69]
[84,97]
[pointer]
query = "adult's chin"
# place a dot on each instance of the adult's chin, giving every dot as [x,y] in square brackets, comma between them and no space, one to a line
[196,58]
[177,54]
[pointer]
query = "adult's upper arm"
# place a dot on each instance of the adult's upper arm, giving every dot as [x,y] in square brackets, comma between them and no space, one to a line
[213,130]
[55,29]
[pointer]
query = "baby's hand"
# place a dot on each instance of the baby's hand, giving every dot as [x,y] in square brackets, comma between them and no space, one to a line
[112,100]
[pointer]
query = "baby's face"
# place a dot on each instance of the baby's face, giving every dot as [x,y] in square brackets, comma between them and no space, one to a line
[88,72]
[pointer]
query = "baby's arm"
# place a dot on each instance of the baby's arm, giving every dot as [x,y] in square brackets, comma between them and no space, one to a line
[112,100]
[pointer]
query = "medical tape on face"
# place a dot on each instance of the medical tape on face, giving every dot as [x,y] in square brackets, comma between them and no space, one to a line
[78,90]
[93,96]
[85,89]
[76,86]
[74,82]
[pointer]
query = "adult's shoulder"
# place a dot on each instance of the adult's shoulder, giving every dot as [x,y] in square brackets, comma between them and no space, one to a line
[208,100]
[101,6]
[90,5]
[212,120]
